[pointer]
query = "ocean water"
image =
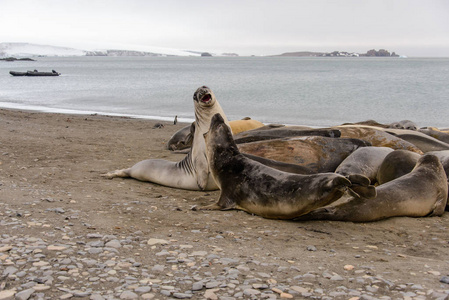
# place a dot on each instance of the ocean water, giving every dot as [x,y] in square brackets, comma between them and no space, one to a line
[306,91]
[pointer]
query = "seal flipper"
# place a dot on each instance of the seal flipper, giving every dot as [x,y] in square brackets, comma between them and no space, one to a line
[224,203]
[359,191]
[360,187]
[359,179]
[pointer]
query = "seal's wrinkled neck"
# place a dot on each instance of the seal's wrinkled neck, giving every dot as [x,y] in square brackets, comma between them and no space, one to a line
[221,136]
[206,105]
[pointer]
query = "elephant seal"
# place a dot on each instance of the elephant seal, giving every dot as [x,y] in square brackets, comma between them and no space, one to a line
[283,132]
[191,173]
[396,164]
[420,193]
[401,162]
[244,124]
[376,136]
[368,123]
[404,124]
[422,141]
[364,161]
[319,154]
[436,133]
[443,156]
[255,188]
[182,139]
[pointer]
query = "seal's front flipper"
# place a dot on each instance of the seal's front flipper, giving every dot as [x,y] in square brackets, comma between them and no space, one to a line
[360,187]
[359,191]
[359,179]
[224,203]
[214,206]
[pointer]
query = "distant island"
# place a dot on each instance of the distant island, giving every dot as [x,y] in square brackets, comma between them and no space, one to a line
[8,52]
[370,53]
[14,59]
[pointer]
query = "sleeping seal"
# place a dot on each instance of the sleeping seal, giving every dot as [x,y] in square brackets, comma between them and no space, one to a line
[364,161]
[191,173]
[424,142]
[420,193]
[182,139]
[318,153]
[376,136]
[396,164]
[255,188]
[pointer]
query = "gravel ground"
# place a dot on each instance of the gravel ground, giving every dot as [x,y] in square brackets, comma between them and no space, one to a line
[65,232]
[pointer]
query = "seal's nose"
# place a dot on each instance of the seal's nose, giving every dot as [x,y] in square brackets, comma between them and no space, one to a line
[204,87]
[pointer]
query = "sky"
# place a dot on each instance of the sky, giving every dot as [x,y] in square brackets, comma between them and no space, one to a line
[246,27]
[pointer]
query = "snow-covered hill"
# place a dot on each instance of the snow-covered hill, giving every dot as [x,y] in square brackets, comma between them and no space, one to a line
[30,50]
[27,50]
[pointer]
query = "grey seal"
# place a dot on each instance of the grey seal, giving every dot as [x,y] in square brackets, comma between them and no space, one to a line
[404,124]
[364,161]
[420,193]
[255,188]
[396,164]
[421,140]
[191,173]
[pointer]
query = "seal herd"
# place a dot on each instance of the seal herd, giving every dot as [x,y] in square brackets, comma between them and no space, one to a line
[356,172]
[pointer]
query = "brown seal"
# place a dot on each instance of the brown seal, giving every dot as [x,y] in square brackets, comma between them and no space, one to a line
[420,193]
[376,136]
[319,154]
[263,134]
[255,188]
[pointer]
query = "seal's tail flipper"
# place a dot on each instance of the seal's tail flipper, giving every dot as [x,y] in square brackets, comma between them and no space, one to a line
[117,173]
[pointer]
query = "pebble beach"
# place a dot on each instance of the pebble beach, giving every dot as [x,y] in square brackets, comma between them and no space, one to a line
[68,233]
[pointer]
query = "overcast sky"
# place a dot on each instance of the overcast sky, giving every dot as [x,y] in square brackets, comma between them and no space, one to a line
[246,27]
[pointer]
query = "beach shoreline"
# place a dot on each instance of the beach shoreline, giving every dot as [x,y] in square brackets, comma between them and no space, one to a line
[101,238]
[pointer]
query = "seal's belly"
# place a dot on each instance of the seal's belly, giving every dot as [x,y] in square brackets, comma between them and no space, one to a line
[279,210]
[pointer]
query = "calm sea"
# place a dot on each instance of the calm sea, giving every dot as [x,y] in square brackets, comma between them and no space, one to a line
[306,91]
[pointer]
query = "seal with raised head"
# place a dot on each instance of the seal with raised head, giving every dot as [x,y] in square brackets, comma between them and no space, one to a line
[191,173]
[255,188]
[420,193]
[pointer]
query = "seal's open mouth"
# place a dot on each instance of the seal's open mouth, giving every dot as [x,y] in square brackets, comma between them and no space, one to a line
[206,98]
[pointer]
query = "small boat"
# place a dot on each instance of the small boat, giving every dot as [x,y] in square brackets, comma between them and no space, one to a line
[14,73]
[34,73]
